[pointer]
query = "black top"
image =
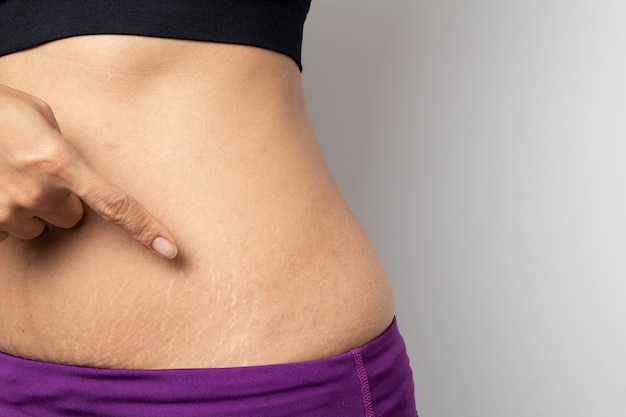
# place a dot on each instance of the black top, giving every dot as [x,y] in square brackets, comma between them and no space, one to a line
[271,24]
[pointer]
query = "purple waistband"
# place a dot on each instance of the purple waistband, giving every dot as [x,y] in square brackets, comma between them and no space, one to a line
[371,381]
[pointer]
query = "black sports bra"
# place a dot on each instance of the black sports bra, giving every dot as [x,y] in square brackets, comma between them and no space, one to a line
[271,24]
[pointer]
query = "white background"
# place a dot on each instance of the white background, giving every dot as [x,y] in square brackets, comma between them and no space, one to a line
[483,146]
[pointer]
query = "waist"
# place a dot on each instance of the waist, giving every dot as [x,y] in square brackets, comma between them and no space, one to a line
[378,373]
[269,253]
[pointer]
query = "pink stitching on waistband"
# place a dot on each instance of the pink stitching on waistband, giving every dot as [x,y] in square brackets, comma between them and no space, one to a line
[365,383]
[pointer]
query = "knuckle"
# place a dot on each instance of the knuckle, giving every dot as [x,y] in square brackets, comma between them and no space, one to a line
[142,229]
[50,160]
[144,232]
[23,194]
[116,207]
[120,209]
[31,197]
[23,110]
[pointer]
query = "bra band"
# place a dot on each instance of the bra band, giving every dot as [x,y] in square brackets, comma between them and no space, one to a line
[272,24]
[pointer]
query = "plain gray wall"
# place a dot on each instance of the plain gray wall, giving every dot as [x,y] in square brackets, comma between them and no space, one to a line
[483,146]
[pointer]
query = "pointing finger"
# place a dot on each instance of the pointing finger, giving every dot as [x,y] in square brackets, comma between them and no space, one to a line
[119,208]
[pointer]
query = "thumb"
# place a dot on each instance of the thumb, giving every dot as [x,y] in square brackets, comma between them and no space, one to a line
[119,208]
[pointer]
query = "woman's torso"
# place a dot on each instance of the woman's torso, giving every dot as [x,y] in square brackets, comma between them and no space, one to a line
[215,141]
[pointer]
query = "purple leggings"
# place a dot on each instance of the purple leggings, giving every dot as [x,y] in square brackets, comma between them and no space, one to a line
[374,380]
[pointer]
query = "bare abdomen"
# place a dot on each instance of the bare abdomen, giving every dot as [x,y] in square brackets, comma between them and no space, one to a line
[273,266]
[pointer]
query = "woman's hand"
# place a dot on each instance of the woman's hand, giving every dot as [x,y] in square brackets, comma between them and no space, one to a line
[43,180]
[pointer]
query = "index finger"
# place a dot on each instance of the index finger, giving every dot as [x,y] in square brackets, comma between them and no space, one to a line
[117,207]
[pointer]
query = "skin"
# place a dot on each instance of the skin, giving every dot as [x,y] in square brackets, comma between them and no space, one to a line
[46,179]
[166,205]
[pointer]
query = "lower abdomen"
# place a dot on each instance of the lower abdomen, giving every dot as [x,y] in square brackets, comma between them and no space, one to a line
[273,267]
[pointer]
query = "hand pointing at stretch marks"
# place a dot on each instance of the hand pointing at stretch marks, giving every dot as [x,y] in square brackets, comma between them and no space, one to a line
[43,179]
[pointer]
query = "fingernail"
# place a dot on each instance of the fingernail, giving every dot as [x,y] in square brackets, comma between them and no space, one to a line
[163,246]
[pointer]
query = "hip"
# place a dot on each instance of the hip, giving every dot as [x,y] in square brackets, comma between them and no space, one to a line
[307,279]
[373,379]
